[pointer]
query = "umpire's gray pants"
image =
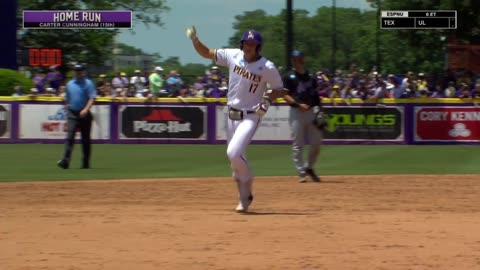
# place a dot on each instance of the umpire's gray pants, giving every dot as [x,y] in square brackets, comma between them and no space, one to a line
[304,132]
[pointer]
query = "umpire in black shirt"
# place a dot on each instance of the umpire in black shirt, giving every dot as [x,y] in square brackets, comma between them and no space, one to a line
[80,95]
[304,100]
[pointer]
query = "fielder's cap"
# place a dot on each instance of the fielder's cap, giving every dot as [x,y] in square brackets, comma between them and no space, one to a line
[297,53]
[158,68]
[53,67]
[253,36]
[214,67]
[102,75]
[123,74]
[79,67]
[421,74]
[137,71]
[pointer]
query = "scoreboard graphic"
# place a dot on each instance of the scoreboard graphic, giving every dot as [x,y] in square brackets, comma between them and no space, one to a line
[419,19]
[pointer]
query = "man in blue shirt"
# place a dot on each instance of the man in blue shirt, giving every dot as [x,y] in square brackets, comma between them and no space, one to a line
[80,95]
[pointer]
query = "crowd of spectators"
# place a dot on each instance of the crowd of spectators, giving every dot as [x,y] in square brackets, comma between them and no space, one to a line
[346,85]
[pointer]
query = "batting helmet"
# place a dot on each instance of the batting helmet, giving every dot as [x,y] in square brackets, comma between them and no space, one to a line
[253,36]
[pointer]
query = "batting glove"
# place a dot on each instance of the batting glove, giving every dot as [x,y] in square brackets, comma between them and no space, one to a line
[262,108]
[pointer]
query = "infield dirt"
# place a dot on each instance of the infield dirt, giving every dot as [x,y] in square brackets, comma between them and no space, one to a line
[345,222]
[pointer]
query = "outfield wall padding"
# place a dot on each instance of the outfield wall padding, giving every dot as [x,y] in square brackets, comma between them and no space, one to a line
[203,121]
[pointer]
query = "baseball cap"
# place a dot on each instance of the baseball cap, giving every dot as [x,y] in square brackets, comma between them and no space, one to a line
[297,53]
[252,35]
[79,67]
[158,68]
[137,71]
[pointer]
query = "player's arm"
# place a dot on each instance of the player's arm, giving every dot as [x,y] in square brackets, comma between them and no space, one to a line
[92,94]
[201,49]
[288,97]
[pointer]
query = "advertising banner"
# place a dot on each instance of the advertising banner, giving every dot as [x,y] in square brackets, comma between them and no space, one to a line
[162,122]
[274,125]
[49,121]
[364,123]
[447,124]
[5,120]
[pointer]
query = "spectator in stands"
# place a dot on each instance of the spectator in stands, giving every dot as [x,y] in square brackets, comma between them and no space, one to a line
[323,83]
[422,85]
[198,88]
[347,93]
[156,83]
[213,76]
[120,85]
[17,91]
[101,81]
[104,88]
[335,93]
[363,92]
[450,91]
[438,91]
[39,82]
[380,92]
[174,83]
[398,91]
[476,90]
[390,79]
[464,91]
[61,91]
[138,83]
[54,79]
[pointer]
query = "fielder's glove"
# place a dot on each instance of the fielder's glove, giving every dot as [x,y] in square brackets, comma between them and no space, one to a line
[320,120]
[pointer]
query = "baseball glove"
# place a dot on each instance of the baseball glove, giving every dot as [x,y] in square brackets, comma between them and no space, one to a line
[320,120]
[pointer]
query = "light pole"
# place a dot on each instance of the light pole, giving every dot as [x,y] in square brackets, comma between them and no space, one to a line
[377,39]
[289,35]
[334,35]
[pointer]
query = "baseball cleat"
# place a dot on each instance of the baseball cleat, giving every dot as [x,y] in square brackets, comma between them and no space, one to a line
[63,163]
[302,179]
[242,207]
[312,174]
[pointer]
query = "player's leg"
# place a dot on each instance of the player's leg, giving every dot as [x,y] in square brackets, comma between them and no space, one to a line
[72,124]
[314,136]
[237,145]
[298,132]
[85,128]
[243,188]
[242,133]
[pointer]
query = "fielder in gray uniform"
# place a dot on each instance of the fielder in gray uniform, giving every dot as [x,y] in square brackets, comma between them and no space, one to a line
[304,101]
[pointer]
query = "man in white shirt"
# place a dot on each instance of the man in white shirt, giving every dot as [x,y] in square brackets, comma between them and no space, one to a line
[138,82]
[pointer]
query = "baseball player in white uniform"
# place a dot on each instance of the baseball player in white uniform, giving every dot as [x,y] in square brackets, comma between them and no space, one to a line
[247,100]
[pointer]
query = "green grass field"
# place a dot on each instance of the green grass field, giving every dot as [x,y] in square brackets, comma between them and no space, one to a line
[33,162]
